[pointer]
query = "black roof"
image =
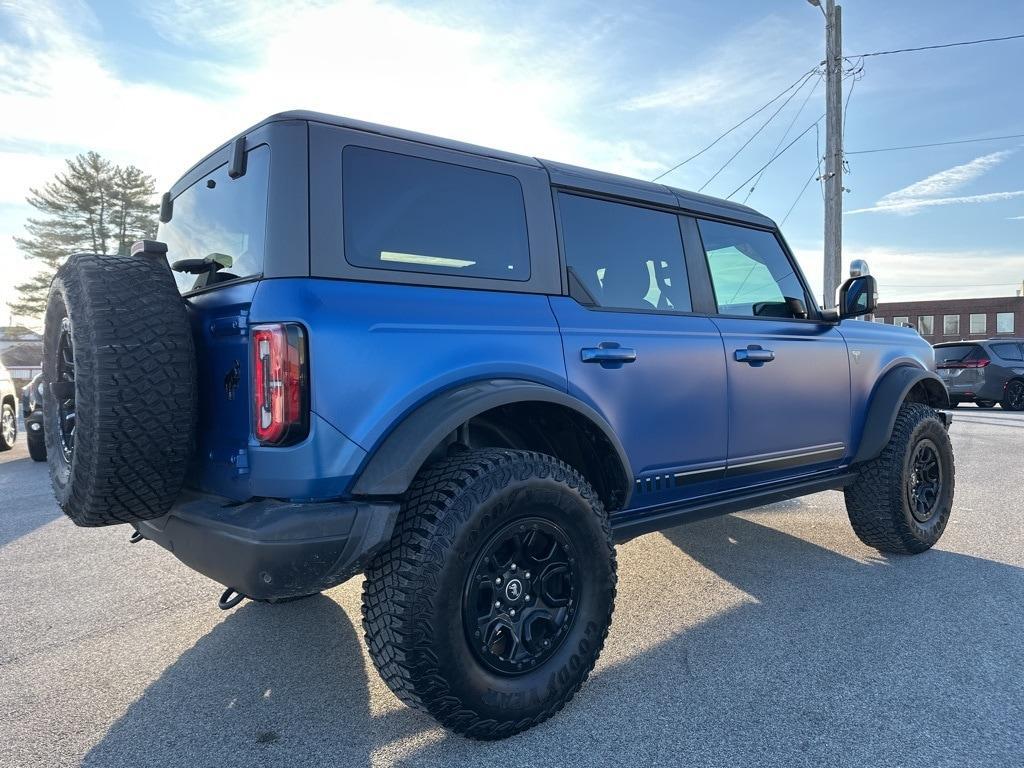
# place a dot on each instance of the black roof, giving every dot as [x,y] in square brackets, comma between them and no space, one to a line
[560,173]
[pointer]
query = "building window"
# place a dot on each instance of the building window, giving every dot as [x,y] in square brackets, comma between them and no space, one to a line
[1004,322]
[951,325]
[900,320]
[880,320]
[926,325]
[977,323]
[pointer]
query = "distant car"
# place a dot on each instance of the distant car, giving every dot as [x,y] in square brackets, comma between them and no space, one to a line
[983,372]
[8,412]
[32,412]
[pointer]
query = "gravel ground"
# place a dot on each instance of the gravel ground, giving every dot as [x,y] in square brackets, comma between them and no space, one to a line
[771,637]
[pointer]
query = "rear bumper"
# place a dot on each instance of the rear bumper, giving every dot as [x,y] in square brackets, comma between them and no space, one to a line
[968,393]
[273,549]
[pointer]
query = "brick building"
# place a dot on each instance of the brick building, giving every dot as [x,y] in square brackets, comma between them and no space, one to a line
[952,319]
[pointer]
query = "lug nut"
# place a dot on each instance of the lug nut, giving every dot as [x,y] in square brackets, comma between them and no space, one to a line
[527,598]
[513,567]
[498,580]
[497,603]
[512,612]
[526,575]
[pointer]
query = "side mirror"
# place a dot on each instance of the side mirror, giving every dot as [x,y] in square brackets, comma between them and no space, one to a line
[858,296]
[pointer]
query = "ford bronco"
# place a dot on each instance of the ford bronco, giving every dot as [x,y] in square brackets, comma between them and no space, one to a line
[467,374]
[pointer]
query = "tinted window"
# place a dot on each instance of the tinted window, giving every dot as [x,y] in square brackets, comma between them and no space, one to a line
[958,353]
[221,218]
[749,270]
[1007,351]
[627,257]
[415,215]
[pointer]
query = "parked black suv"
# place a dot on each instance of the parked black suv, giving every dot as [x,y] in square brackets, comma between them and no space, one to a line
[983,372]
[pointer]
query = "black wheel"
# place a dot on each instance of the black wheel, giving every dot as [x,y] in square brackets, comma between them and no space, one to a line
[491,604]
[119,372]
[1013,398]
[901,501]
[953,405]
[8,427]
[985,403]
[36,445]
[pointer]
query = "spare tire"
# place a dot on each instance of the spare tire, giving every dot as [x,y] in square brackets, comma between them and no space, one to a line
[119,371]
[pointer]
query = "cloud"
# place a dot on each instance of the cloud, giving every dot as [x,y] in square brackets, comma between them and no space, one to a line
[1015,218]
[914,205]
[935,190]
[916,274]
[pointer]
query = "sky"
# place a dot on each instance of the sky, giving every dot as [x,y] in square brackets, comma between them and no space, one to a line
[628,87]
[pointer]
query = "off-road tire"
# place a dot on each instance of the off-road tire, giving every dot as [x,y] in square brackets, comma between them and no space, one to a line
[36,445]
[877,500]
[413,592]
[8,419]
[134,388]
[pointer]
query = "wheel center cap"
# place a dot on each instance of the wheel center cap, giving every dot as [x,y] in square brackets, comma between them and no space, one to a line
[513,590]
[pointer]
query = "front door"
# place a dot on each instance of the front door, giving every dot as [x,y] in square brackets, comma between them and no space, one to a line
[635,351]
[788,377]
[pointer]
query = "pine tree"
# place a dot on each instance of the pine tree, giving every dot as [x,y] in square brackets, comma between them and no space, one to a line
[92,206]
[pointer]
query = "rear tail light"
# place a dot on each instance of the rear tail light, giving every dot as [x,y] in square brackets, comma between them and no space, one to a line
[968,364]
[280,380]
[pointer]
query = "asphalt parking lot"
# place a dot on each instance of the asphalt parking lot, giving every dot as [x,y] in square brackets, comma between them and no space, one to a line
[772,637]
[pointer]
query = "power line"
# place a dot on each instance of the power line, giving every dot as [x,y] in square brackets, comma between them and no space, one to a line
[755,113]
[947,285]
[935,47]
[814,172]
[776,156]
[937,144]
[784,136]
[756,133]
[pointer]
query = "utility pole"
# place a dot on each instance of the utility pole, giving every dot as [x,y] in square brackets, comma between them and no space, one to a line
[833,148]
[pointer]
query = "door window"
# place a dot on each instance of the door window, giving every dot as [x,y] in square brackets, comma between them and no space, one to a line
[625,256]
[750,272]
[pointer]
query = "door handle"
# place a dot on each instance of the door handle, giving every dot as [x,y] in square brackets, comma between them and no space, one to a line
[754,355]
[604,355]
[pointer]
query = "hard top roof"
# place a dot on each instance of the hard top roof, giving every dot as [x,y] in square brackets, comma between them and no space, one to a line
[560,173]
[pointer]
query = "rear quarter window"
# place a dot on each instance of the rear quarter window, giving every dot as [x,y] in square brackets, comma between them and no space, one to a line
[218,217]
[416,215]
[1008,351]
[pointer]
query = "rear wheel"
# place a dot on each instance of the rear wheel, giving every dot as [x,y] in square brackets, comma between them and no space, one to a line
[901,500]
[985,403]
[8,427]
[1013,399]
[490,606]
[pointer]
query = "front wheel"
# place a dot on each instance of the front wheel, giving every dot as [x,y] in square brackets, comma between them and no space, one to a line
[901,500]
[492,602]
[985,403]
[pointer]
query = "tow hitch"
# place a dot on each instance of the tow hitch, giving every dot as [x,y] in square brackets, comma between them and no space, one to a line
[229,599]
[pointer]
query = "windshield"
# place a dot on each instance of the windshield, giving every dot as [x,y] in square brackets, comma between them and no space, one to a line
[223,219]
[957,353]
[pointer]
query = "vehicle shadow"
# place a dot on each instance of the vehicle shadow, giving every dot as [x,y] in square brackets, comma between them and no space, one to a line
[819,659]
[26,502]
[271,685]
[827,660]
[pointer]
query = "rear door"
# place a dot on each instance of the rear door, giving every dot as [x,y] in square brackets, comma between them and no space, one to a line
[788,376]
[634,349]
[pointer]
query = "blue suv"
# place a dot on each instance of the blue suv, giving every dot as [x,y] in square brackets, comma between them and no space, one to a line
[466,374]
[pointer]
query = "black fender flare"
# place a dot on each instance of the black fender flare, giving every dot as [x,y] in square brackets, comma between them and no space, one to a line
[885,404]
[393,464]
